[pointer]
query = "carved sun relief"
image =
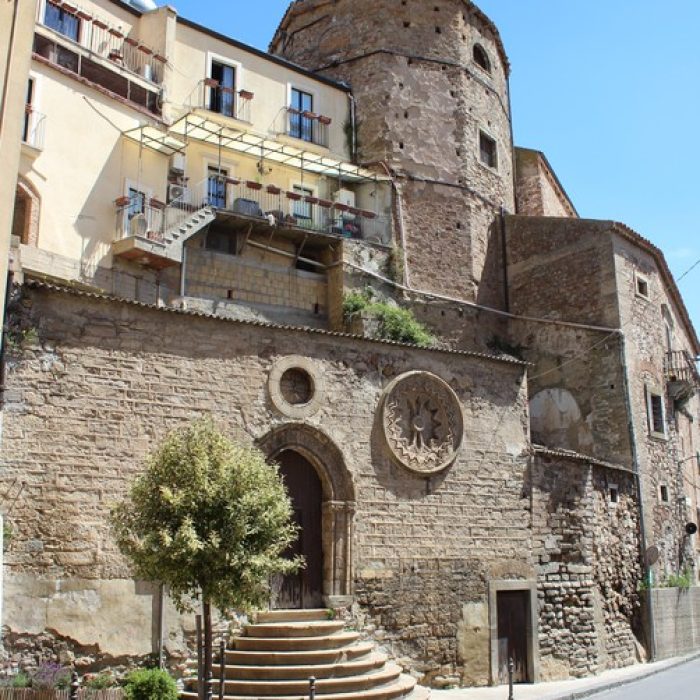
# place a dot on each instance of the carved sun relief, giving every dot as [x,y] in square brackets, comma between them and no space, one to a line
[422,422]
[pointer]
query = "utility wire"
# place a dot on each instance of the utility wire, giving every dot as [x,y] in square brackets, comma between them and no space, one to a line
[689,270]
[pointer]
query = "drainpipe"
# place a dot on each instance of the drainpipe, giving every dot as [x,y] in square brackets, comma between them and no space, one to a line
[640,494]
[353,126]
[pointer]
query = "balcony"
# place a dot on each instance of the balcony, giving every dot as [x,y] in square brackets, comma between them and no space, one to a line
[211,96]
[33,130]
[307,126]
[682,376]
[102,54]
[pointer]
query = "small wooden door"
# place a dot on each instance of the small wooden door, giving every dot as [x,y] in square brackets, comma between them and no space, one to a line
[513,607]
[305,588]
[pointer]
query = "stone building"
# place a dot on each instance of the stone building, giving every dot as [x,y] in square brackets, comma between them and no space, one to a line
[502,493]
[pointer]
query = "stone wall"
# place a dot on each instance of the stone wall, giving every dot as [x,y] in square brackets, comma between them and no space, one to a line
[587,547]
[538,191]
[96,383]
[422,101]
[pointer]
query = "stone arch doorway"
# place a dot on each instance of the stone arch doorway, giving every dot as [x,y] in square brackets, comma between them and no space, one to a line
[296,447]
[25,221]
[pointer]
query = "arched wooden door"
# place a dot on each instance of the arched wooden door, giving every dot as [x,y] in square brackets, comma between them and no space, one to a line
[305,588]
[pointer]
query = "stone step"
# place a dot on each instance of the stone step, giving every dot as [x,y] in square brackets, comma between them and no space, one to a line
[324,686]
[340,669]
[331,641]
[294,658]
[401,688]
[294,629]
[320,614]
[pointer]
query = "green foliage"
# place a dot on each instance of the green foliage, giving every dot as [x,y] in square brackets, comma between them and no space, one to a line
[395,265]
[150,684]
[19,680]
[208,517]
[683,580]
[101,681]
[50,675]
[330,614]
[393,322]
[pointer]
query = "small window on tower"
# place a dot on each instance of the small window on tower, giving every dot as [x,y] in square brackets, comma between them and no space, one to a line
[656,413]
[663,493]
[488,150]
[481,58]
[642,286]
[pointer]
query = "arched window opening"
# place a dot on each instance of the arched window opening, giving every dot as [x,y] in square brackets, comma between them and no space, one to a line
[481,58]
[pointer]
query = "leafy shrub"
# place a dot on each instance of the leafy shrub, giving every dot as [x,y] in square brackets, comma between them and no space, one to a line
[683,580]
[19,680]
[100,681]
[150,684]
[394,322]
[49,676]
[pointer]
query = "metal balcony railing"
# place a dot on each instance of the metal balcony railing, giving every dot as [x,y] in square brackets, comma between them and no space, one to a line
[98,39]
[308,126]
[33,130]
[680,366]
[209,94]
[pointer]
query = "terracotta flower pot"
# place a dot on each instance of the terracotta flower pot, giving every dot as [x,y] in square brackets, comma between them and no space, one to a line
[122,201]
[273,189]
[294,196]
[324,120]
[253,185]
[246,94]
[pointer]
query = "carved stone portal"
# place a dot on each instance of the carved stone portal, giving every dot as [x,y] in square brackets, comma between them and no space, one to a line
[422,421]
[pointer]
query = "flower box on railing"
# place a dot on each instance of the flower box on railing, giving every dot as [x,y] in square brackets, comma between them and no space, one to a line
[115,32]
[115,56]
[253,185]
[131,42]
[227,90]
[122,201]
[211,83]
[291,110]
[354,211]
[294,196]
[232,181]
[99,23]
[311,200]
[368,214]
[156,203]
[341,207]
[84,15]
[273,189]
[145,50]
[246,94]
[325,203]
[324,120]
[71,9]
[161,59]
[309,115]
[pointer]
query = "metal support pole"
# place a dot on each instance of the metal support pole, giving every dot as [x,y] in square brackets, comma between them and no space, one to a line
[209,690]
[74,686]
[511,669]
[200,665]
[222,668]
[312,688]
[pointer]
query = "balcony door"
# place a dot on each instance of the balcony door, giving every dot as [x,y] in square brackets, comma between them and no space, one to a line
[222,99]
[216,186]
[301,127]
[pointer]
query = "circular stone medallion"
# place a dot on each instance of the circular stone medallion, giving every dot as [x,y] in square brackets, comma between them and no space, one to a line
[296,386]
[422,422]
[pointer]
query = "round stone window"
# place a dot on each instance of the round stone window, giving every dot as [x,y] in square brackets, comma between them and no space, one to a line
[296,386]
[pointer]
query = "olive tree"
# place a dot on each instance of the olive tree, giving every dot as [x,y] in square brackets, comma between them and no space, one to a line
[209,518]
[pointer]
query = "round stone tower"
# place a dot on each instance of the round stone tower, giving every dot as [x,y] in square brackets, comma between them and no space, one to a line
[430,81]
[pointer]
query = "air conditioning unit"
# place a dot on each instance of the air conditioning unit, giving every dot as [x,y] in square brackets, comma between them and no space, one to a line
[177,164]
[176,192]
[346,197]
[138,226]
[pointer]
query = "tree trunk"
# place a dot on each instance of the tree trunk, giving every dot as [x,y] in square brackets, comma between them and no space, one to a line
[208,665]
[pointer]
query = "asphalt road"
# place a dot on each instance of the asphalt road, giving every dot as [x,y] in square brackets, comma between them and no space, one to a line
[679,683]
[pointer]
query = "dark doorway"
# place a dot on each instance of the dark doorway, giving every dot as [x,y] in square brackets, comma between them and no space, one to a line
[513,613]
[305,588]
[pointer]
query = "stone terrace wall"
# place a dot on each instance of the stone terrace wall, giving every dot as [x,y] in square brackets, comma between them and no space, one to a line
[98,382]
[588,554]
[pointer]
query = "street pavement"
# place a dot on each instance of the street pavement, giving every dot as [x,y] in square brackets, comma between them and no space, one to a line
[665,678]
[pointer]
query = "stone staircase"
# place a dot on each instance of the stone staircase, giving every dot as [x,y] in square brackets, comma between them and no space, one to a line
[275,657]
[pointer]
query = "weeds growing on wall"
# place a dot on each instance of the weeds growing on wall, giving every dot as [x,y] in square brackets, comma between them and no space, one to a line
[393,322]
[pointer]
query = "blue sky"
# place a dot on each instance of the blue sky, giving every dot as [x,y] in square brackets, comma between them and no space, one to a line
[608,89]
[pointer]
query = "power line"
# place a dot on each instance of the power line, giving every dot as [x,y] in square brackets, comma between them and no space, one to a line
[689,270]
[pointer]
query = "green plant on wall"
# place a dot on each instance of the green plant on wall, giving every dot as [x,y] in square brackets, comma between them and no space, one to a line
[682,580]
[393,322]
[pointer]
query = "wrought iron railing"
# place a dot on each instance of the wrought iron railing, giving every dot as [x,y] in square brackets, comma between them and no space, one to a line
[308,126]
[680,366]
[209,94]
[34,126]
